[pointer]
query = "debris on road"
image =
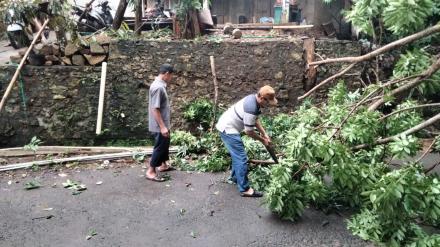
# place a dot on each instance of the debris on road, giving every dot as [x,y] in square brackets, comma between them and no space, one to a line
[50,216]
[75,186]
[32,185]
[92,233]
[99,182]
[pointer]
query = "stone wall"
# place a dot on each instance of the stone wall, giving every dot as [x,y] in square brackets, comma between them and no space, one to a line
[61,102]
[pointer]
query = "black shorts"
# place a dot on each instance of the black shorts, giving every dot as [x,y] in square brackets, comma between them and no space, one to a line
[161,151]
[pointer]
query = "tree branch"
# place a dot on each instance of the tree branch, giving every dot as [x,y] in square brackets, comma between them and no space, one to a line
[408,109]
[351,112]
[383,49]
[417,81]
[427,150]
[331,78]
[406,132]
[431,168]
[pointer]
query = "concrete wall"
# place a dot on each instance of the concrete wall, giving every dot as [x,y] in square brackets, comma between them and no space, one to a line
[59,104]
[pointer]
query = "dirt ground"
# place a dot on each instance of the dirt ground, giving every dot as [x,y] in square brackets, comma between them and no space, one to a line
[6,51]
[192,209]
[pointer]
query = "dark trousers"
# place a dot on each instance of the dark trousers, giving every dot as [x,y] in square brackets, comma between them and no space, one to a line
[161,150]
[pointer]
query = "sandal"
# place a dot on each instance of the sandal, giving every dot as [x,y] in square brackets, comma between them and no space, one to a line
[156,179]
[255,194]
[170,168]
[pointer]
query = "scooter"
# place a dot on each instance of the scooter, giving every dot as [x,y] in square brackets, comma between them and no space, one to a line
[16,30]
[94,19]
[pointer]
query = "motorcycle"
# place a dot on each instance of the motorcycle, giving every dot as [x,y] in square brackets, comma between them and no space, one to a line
[94,19]
[19,28]
[16,30]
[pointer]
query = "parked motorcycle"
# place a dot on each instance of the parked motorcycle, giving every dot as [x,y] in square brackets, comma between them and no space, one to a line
[16,30]
[94,19]
[19,28]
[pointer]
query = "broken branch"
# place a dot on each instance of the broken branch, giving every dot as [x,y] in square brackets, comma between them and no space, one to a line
[406,132]
[414,83]
[331,78]
[383,49]
[427,150]
[408,109]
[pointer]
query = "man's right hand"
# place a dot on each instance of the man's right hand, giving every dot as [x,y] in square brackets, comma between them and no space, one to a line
[165,132]
[266,142]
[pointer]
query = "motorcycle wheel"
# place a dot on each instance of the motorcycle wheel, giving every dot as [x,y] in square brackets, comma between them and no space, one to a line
[18,39]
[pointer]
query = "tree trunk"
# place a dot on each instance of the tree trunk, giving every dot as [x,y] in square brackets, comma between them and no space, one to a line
[138,18]
[119,16]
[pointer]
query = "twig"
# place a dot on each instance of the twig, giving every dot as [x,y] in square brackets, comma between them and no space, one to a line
[383,49]
[319,56]
[331,78]
[427,150]
[299,170]
[407,109]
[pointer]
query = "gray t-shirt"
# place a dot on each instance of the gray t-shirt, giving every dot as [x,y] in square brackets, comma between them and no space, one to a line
[158,98]
[240,116]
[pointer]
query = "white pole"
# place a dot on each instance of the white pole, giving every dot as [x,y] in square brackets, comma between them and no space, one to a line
[101,98]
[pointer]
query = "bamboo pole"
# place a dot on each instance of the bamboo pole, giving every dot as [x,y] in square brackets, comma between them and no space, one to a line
[101,98]
[20,66]
[76,159]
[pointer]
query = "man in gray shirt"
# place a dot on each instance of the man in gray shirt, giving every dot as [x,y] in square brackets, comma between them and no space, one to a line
[159,123]
[243,116]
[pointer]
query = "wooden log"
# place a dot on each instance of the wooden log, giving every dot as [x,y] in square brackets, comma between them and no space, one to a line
[52,58]
[78,60]
[103,39]
[66,60]
[293,27]
[70,49]
[96,49]
[94,60]
[20,66]
[310,75]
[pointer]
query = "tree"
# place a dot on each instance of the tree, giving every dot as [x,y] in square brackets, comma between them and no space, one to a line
[350,139]
[119,15]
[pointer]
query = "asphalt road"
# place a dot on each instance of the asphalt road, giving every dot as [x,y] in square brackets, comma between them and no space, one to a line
[197,209]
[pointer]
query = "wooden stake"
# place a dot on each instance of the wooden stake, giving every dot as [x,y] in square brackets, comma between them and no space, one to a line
[214,77]
[101,98]
[20,66]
